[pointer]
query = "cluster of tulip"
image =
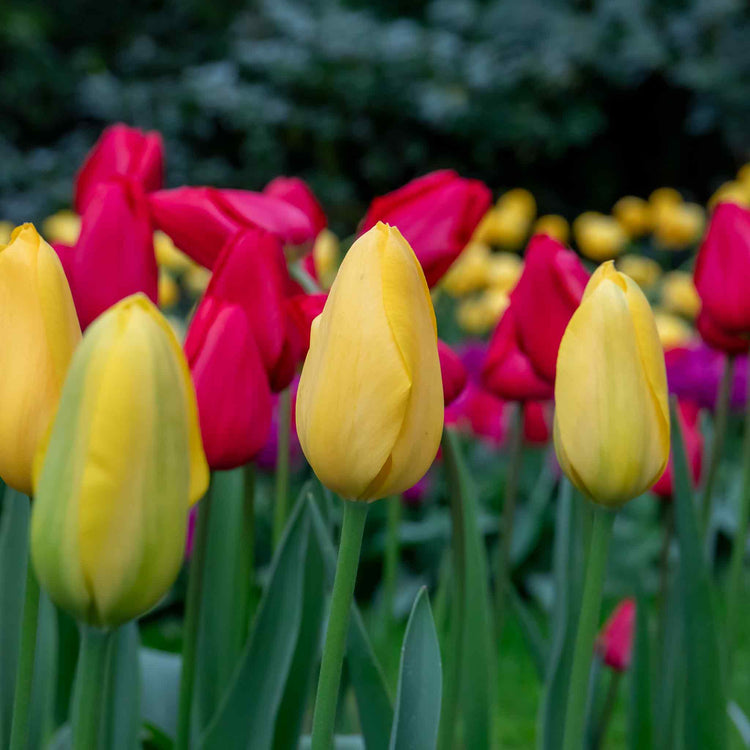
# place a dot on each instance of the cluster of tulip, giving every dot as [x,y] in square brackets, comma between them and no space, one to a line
[116,429]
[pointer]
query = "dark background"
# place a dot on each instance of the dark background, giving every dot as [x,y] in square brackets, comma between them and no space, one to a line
[581,102]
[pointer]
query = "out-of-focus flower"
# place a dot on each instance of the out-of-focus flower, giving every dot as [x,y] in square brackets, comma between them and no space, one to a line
[553,225]
[679,226]
[644,271]
[326,257]
[661,199]
[731,192]
[437,214]
[119,475]
[688,414]
[266,457]
[120,152]
[611,413]
[537,422]
[415,495]
[469,273]
[599,237]
[479,413]
[743,175]
[64,226]
[196,280]
[719,338]
[40,333]
[170,257]
[547,294]
[508,223]
[169,291]
[634,215]
[615,642]
[480,314]
[520,201]
[503,271]
[679,295]
[453,373]
[673,330]
[297,192]
[6,229]
[373,428]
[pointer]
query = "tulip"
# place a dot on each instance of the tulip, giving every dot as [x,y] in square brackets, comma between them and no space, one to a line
[537,422]
[519,200]
[64,226]
[372,428]
[544,300]
[6,230]
[326,256]
[730,192]
[507,371]
[470,272]
[722,269]
[437,215]
[679,226]
[599,237]
[40,331]
[633,215]
[202,220]
[679,295]
[554,226]
[478,412]
[169,291]
[611,418]
[688,414]
[504,225]
[615,641]
[296,192]
[503,271]
[478,315]
[168,256]
[662,199]
[123,464]
[719,338]
[644,271]
[453,373]
[121,152]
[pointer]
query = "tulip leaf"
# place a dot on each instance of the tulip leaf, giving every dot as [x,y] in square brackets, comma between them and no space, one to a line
[530,628]
[42,721]
[122,697]
[641,735]
[568,577]
[740,721]
[160,684]
[370,691]
[14,552]
[246,716]
[420,682]
[478,672]
[705,720]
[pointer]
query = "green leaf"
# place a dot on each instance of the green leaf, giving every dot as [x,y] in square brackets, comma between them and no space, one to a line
[370,691]
[531,515]
[303,669]
[477,681]
[420,682]
[533,635]
[122,719]
[247,714]
[42,721]
[705,703]
[160,685]
[568,576]
[741,722]
[14,552]
[641,734]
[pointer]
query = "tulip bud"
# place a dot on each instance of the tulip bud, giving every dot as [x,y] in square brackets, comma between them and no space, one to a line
[689,415]
[480,314]
[679,295]
[611,418]
[453,373]
[296,192]
[634,215]
[370,400]
[599,237]
[644,271]
[6,230]
[469,273]
[40,333]
[503,271]
[679,226]
[615,641]
[554,226]
[673,331]
[730,192]
[123,464]
[64,227]
[326,256]
[537,422]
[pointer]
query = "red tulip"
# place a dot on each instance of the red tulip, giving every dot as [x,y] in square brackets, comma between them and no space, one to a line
[615,641]
[722,269]
[297,193]
[537,419]
[478,412]
[507,369]
[437,214]
[689,414]
[114,255]
[544,300]
[453,372]
[121,151]
[718,338]
[202,220]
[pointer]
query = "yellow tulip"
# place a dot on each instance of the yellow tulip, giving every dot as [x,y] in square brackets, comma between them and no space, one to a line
[196,280]
[733,192]
[64,227]
[169,256]
[326,257]
[673,330]
[469,272]
[611,413]
[6,229]
[644,271]
[370,399]
[503,271]
[634,215]
[40,331]
[123,464]
[679,295]
[478,315]
[664,197]
[169,290]
[519,200]
[599,237]
[553,225]
[680,225]
[507,224]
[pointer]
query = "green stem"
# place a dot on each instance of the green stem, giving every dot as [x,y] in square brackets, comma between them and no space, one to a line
[91,679]
[667,533]
[246,561]
[25,671]
[515,457]
[721,414]
[740,542]
[391,553]
[326,700]
[192,621]
[607,710]
[282,466]
[575,716]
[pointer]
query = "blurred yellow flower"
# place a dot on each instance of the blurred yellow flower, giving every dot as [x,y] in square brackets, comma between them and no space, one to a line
[6,229]
[481,314]
[63,226]
[469,272]
[169,290]
[504,270]
[634,215]
[733,192]
[168,256]
[644,271]
[196,280]
[520,201]
[554,225]
[679,295]
[680,225]
[664,197]
[599,237]
[326,257]
[506,227]
[672,329]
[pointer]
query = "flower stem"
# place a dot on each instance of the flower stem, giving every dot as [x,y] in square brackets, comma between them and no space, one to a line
[25,671]
[392,550]
[721,413]
[607,710]
[575,716]
[324,718]
[246,561]
[90,688]
[282,466]
[192,620]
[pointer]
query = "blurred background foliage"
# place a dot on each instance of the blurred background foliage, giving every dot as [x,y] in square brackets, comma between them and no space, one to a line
[581,101]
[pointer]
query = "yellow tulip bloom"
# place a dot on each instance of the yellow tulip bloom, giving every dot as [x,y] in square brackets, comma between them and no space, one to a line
[731,192]
[469,272]
[503,271]
[169,256]
[169,290]
[326,257]
[6,229]
[634,215]
[554,226]
[679,295]
[673,330]
[40,331]
[64,226]
[644,271]
[123,464]
[370,399]
[599,237]
[680,225]
[611,414]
